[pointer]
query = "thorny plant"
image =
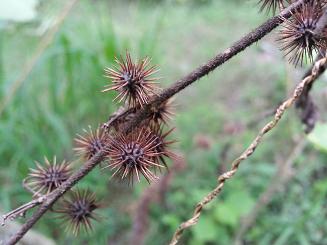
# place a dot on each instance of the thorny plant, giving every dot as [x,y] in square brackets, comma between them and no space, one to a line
[133,143]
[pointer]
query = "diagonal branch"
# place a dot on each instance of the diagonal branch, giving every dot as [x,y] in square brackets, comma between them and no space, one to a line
[57,193]
[179,85]
[212,64]
[250,150]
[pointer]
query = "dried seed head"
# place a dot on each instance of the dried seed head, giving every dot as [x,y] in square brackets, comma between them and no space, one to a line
[78,209]
[134,154]
[45,179]
[133,81]
[163,145]
[272,5]
[92,142]
[162,114]
[298,38]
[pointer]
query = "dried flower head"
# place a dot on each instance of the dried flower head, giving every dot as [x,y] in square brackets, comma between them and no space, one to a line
[45,179]
[272,5]
[163,145]
[91,143]
[298,37]
[78,209]
[133,81]
[162,113]
[134,154]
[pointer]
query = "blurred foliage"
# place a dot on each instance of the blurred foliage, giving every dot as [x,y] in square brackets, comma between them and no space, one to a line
[62,96]
[319,136]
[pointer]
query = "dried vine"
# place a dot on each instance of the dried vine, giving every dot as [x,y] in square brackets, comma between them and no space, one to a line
[307,109]
[250,150]
[283,175]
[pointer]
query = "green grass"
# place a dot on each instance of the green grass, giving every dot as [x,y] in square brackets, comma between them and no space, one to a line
[62,96]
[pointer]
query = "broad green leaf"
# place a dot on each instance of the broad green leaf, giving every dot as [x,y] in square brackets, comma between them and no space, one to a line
[205,230]
[320,186]
[240,201]
[225,214]
[237,203]
[171,220]
[319,136]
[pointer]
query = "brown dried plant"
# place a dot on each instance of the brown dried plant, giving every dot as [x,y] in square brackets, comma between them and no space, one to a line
[77,208]
[133,81]
[92,142]
[298,37]
[45,178]
[134,154]
[163,113]
[163,145]
[272,5]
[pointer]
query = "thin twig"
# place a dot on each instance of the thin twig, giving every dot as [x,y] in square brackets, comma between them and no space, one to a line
[20,211]
[32,238]
[249,151]
[281,177]
[201,71]
[43,45]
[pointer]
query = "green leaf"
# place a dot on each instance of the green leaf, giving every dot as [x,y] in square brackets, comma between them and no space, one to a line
[205,230]
[225,214]
[240,201]
[170,220]
[320,186]
[319,136]
[237,204]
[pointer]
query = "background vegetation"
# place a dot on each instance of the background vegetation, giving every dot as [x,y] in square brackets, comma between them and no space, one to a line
[215,119]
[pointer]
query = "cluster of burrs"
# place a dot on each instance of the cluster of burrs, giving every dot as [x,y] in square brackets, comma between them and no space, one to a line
[141,152]
[77,207]
[144,149]
[304,34]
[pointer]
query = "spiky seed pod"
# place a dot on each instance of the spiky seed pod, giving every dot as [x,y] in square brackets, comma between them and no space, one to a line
[162,114]
[298,38]
[133,81]
[91,143]
[77,208]
[272,5]
[134,154]
[163,145]
[45,179]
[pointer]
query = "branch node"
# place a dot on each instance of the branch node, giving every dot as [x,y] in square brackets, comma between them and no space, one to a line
[21,211]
